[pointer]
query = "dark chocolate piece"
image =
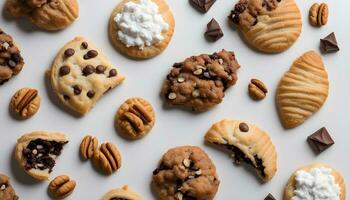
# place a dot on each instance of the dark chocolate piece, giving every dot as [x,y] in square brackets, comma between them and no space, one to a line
[320,140]
[214,31]
[270,197]
[243,127]
[202,5]
[329,44]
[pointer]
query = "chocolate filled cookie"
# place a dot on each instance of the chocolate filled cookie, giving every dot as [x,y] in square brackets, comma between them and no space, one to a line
[6,190]
[200,81]
[185,172]
[11,61]
[36,152]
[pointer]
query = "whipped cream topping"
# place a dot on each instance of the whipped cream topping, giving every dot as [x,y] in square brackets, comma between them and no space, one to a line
[317,184]
[140,24]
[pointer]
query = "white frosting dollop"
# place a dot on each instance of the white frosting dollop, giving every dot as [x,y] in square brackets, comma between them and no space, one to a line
[140,24]
[317,184]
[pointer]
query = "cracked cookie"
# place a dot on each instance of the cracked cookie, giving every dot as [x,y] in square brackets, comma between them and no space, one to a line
[270,26]
[11,61]
[81,74]
[135,118]
[6,190]
[123,193]
[200,82]
[302,90]
[247,143]
[185,172]
[25,102]
[50,15]
[36,152]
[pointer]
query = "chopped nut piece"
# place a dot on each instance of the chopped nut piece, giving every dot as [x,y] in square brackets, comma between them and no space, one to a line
[186,162]
[172,96]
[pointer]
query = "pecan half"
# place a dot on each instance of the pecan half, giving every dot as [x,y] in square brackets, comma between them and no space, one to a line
[88,146]
[257,89]
[107,158]
[318,14]
[61,186]
[25,102]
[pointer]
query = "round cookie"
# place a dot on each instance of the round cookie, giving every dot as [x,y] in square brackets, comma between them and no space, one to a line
[6,190]
[270,26]
[185,172]
[122,193]
[290,187]
[135,118]
[147,51]
[25,102]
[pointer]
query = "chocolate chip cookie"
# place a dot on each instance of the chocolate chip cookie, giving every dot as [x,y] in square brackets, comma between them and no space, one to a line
[11,61]
[185,172]
[200,81]
[6,190]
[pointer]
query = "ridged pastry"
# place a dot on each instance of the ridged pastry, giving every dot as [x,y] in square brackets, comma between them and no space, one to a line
[303,90]
[248,143]
[270,26]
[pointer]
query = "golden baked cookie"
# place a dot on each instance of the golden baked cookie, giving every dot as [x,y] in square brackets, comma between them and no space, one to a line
[148,51]
[6,190]
[25,102]
[122,193]
[51,15]
[135,118]
[81,74]
[36,152]
[302,90]
[270,26]
[291,185]
[248,143]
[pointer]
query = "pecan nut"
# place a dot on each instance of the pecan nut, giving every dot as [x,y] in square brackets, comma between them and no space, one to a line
[107,158]
[62,186]
[318,14]
[88,146]
[25,102]
[257,89]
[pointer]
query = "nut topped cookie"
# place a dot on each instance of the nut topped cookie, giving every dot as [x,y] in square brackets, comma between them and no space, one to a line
[81,74]
[25,102]
[200,81]
[185,172]
[11,61]
[36,152]
[248,143]
[6,190]
[270,26]
[141,29]
[50,15]
[124,193]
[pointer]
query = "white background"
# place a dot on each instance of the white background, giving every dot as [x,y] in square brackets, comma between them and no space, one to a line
[175,127]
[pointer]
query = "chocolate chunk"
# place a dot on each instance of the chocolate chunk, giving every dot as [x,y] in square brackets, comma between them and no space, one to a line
[202,5]
[77,89]
[90,94]
[112,73]
[69,52]
[84,45]
[243,127]
[329,44]
[100,69]
[64,70]
[214,31]
[89,69]
[66,97]
[270,197]
[90,54]
[320,140]
[16,57]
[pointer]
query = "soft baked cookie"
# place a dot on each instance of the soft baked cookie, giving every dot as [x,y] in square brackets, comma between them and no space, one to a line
[185,172]
[51,15]
[36,152]
[123,193]
[135,118]
[302,90]
[248,143]
[11,61]
[200,81]
[133,35]
[313,178]
[270,26]
[6,190]
[81,74]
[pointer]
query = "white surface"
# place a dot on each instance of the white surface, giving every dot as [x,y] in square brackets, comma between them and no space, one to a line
[176,127]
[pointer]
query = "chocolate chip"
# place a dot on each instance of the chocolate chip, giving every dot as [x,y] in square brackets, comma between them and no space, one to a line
[90,94]
[90,54]
[84,45]
[270,197]
[320,140]
[16,57]
[112,73]
[329,44]
[89,69]
[11,63]
[69,52]
[77,89]
[243,127]
[66,97]
[214,31]
[64,70]
[100,69]
[202,5]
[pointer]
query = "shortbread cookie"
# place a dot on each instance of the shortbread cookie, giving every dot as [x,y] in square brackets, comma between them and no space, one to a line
[81,74]
[122,193]
[270,26]
[51,15]
[315,181]
[36,152]
[141,29]
[11,61]
[135,118]
[302,90]
[200,82]
[185,173]
[248,143]
[6,190]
